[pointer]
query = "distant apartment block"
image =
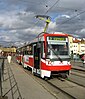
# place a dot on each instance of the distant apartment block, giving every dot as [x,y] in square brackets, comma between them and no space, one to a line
[6,50]
[76,46]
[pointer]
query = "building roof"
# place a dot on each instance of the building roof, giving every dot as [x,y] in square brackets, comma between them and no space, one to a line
[76,41]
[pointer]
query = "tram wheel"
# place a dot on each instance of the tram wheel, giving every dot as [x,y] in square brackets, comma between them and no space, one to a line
[19,63]
[46,78]
[64,76]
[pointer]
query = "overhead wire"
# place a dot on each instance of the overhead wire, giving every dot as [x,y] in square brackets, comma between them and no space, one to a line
[47,12]
[72,18]
[60,7]
[52,6]
[64,21]
[65,8]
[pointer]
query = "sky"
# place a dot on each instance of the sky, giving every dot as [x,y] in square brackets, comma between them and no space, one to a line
[18,23]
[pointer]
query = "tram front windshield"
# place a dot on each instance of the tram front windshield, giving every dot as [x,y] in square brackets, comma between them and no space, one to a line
[57,49]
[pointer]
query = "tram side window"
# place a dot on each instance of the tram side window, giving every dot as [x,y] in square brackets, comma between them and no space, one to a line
[29,49]
[25,52]
[43,49]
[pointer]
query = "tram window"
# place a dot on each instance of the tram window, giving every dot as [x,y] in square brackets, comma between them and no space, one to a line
[25,52]
[42,49]
[63,48]
[29,53]
[29,50]
[58,49]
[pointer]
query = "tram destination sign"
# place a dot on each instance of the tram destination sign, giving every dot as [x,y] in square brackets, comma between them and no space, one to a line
[57,38]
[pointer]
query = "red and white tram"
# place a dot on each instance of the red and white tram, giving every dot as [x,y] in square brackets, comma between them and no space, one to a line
[46,55]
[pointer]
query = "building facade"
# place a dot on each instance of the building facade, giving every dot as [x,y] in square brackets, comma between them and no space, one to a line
[76,46]
[5,51]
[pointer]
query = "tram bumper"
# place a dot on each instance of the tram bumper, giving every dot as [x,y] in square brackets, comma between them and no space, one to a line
[45,73]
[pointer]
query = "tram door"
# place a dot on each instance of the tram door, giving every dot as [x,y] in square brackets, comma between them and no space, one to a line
[36,57]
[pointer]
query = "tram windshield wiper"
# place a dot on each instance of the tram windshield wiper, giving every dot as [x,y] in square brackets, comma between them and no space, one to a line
[50,47]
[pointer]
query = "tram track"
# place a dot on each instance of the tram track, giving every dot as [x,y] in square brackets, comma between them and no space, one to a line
[78,69]
[69,95]
[46,82]
[58,91]
[76,83]
[80,75]
[65,89]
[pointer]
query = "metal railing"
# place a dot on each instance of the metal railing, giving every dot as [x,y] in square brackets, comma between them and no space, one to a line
[7,79]
[1,74]
[13,85]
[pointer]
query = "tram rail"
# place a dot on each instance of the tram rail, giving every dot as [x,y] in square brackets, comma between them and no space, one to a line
[78,74]
[63,90]
[78,69]
[67,92]
[76,83]
[60,89]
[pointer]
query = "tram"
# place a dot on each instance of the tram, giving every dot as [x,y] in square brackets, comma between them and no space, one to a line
[47,55]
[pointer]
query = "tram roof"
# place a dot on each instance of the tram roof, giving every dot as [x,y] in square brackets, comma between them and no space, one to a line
[41,36]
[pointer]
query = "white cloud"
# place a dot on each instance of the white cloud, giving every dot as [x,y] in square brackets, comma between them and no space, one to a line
[17,18]
[66,16]
[83,30]
[52,25]
[13,31]
[8,20]
[34,30]
[5,38]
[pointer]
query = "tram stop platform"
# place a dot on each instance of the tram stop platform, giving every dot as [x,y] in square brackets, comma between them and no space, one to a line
[17,84]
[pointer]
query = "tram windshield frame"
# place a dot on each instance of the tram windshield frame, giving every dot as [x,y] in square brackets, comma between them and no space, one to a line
[57,46]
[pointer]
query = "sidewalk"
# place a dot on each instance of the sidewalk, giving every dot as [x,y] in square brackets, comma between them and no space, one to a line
[28,87]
